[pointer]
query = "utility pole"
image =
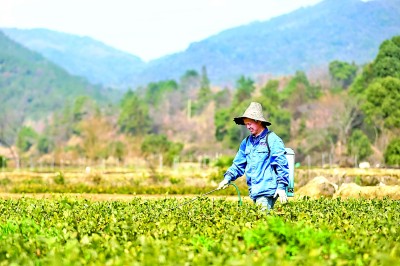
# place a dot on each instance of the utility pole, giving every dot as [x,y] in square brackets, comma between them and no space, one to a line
[189,109]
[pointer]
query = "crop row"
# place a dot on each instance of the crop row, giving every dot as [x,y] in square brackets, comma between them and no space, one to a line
[73,231]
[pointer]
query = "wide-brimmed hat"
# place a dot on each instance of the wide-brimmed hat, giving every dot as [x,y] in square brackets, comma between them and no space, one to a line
[254,111]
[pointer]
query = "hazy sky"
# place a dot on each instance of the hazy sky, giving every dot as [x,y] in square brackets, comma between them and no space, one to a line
[146,28]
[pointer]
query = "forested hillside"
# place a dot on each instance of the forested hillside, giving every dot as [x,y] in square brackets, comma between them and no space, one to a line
[34,86]
[81,56]
[32,89]
[308,38]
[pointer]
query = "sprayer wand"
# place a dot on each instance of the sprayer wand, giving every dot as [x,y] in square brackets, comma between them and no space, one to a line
[205,194]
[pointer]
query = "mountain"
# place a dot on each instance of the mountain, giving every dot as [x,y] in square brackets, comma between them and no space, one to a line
[82,56]
[33,87]
[347,30]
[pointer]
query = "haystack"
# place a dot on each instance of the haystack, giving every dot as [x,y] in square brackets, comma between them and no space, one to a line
[352,190]
[317,187]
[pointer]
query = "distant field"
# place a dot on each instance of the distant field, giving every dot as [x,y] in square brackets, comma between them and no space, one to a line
[181,181]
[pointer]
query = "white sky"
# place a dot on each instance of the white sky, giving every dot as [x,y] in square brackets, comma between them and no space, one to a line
[146,28]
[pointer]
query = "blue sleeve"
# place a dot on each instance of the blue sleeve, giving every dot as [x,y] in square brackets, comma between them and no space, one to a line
[279,162]
[238,166]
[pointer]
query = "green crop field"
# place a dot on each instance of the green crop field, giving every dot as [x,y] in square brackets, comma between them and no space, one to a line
[74,231]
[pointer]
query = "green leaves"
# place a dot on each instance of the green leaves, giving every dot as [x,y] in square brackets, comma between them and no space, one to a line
[154,145]
[69,231]
[392,153]
[134,117]
[359,145]
[27,136]
[382,104]
[342,73]
[297,241]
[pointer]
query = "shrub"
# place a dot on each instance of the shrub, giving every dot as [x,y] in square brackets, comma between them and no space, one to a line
[3,162]
[392,153]
[224,161]
[5,181]
[59,178]
[359,145]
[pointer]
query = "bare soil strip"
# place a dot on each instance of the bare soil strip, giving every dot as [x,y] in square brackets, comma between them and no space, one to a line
[105,197]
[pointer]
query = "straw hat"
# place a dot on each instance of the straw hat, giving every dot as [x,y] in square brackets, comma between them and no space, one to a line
[254,111]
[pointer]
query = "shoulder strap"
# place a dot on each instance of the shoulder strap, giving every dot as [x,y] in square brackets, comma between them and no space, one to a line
[269,150]
[266,141]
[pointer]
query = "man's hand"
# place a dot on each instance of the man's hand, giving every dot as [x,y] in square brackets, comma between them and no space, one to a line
[282,195]
[224,184]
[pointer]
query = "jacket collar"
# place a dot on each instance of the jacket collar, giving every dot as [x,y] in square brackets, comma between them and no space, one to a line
[255,140]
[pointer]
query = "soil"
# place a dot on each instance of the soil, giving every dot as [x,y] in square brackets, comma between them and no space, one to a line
[104,197]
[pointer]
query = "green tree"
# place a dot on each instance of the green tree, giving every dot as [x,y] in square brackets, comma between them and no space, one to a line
[281,119]
[387,62]
[117,149]
[223,98]
[205,90]
[226,130]
[155,91]
[27,137]
[299,80]
[342,73]
[361,82]
[359,145]
[235,134]
[377,89]
[190,80]
[134,116]
[382,102]
[45,145]
[271,101]
[79,109]
[244,89]
[204,95]
[154,145]
[221,117]
[392,153]
[270,92]
[83,107]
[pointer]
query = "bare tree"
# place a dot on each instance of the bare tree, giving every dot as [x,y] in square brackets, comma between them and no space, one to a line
[10,123]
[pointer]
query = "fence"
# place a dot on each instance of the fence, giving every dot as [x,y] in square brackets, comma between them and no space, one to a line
[58,164]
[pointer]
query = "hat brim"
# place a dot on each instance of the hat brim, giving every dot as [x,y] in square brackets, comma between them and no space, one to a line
[239,121]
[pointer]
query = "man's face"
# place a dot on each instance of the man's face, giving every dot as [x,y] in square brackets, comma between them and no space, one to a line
[253,126]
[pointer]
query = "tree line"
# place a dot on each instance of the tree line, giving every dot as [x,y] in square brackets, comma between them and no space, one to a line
[355,115]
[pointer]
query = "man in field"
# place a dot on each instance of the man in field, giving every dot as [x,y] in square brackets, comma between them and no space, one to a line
[264,163]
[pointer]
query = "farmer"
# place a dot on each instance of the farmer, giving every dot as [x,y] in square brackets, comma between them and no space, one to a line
[267,172]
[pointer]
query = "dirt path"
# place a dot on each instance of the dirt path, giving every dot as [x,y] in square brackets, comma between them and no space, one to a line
[101,197]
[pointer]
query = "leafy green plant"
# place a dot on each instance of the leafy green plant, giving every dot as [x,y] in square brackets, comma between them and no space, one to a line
[69,231]
[223,161]
[175,180]
[59,178]
[5,181]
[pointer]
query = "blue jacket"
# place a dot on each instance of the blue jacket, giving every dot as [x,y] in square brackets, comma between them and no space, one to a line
[265,173]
